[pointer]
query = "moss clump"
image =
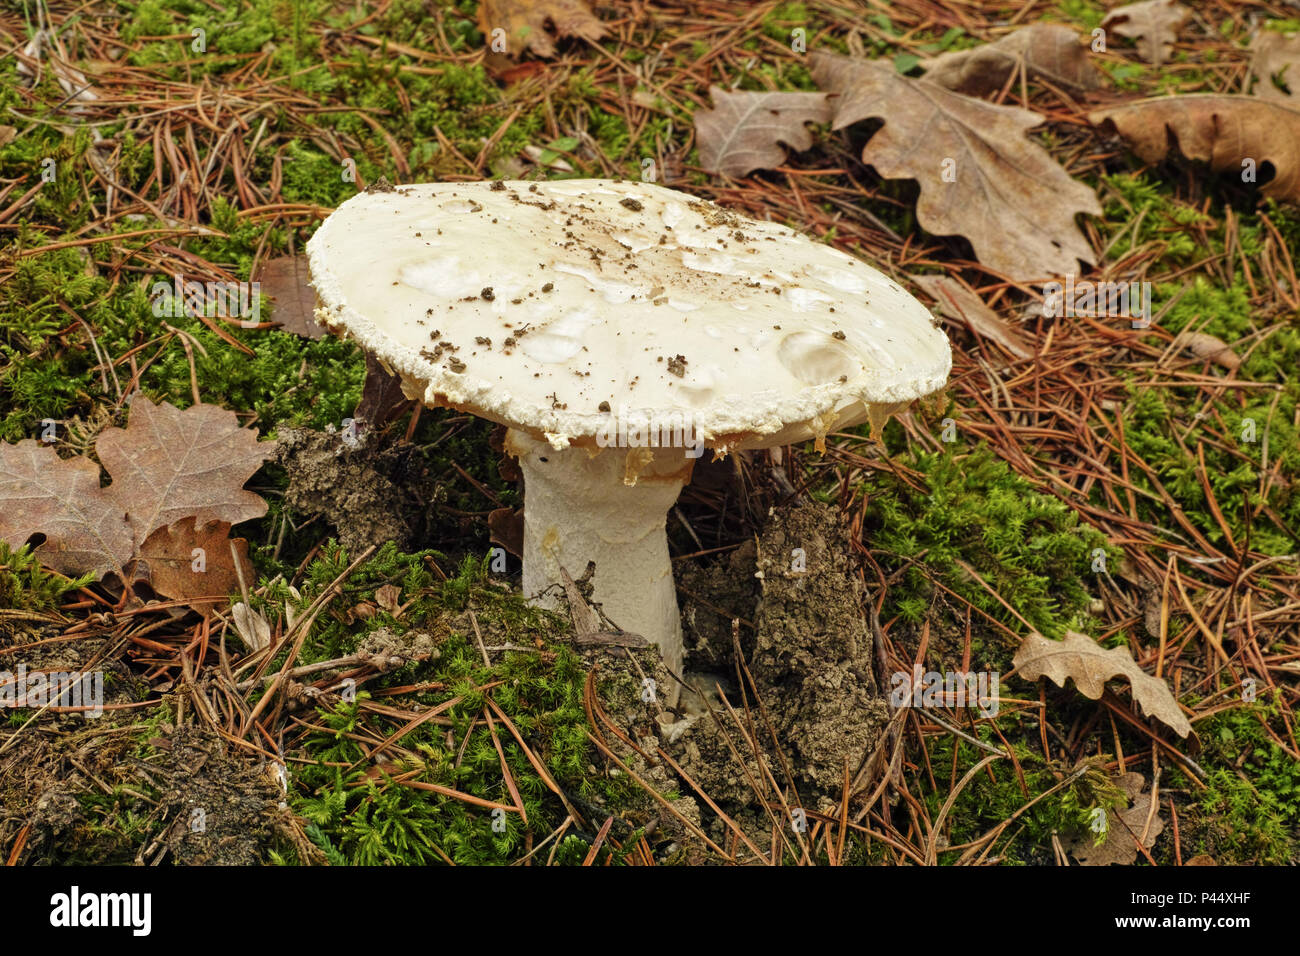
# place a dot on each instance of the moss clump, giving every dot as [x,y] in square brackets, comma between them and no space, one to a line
[361,814]
[1026,546]
[25,585]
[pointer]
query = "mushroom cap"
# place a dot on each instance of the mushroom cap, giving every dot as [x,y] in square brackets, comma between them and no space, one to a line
[550,307]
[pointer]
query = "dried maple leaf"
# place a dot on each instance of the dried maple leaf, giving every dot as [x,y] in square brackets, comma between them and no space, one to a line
[1275,62]
[741,132]
[1124,828]
[1223,130]
[1048,51]
[169,464]
[1079,657]
[166,465]
[1154,24]
[958,302]
[524,23]
[1005,194]
[286,281]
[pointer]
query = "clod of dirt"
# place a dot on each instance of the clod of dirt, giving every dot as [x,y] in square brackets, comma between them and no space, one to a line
[221,800]
[814,651]
[357,488]
[710,597]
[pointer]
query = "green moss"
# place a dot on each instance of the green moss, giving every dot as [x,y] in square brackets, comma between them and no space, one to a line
[369,820]
[1250,811]
[1028,547]
[24,584]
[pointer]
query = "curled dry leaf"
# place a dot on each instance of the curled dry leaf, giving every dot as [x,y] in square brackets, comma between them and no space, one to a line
[741,132]
[253,629]
[1223,130]
[1206,346]
[1154,24]
[980,177]
[1078,657]
[1048,51]
[1124,828]
[1275,62]
[960,303]
[524,23]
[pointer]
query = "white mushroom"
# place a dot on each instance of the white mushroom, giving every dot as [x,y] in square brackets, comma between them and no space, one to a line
[618,329]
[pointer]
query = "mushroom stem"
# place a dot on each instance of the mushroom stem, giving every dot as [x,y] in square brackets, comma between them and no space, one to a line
[609,506]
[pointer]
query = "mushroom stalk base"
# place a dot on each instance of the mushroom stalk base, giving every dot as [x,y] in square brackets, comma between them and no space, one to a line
[578,507]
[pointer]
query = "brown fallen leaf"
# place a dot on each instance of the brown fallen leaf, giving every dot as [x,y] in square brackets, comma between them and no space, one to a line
[960,303]
[1275,62]
[252,627]
[7,134]
[506,528]
[167,465]
[524,23]
[86,529]
[1223,130]
[1049,51]
[1124,828]
[1004,193]
[1206,346]
[1154,24]
[741,132]
[389,598]
[1079,657]
[382,398]
[185,563]
[286,281]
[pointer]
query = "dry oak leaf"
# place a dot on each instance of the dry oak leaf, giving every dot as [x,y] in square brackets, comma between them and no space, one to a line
[169,464]
[524,23]
[960,303]
[1079,657]
[287,282]
[168,562]
[1275,61]
[1006,195]
[1154,24]
[1223,130]
[741,132]
[85,527]
[1124,828]
[1048,51]
[166,465]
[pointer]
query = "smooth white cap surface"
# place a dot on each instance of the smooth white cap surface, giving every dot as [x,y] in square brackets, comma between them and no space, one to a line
[531,304]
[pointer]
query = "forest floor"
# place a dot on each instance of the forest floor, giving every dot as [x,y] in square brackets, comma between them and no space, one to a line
[375,690]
